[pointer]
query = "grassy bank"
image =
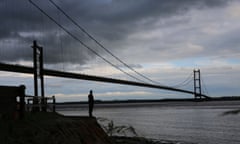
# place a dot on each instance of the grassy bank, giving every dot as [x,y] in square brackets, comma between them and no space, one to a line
[52,128]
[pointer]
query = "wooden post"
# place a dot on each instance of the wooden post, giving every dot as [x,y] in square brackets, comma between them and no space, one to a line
[54,103]
[28,103]
[22,101]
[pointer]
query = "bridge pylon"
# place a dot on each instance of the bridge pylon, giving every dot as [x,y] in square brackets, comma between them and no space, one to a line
[38,73]
[197,84]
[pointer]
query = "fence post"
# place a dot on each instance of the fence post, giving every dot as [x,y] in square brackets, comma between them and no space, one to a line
[22,101]
[28,103]
[54,103]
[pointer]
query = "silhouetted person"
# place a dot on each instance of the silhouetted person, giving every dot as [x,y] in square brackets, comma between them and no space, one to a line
[90,103]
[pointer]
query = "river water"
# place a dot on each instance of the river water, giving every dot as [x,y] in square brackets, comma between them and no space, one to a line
[197,122]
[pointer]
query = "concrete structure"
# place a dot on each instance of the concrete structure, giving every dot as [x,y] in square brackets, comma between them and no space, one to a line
[12,101]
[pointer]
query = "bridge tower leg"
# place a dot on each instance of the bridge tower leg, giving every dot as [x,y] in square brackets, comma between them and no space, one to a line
[197,84]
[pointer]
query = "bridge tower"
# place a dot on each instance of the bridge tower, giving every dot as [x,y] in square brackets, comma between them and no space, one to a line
[197,84]
[38,73]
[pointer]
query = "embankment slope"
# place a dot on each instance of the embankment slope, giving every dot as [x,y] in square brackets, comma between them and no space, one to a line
[52,128]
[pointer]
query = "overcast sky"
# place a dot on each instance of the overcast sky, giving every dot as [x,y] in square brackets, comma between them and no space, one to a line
[162,39]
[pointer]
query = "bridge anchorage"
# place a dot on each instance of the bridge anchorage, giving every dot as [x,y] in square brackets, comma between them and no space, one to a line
[39,72]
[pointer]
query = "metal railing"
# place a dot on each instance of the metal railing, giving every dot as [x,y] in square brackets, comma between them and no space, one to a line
[37,103]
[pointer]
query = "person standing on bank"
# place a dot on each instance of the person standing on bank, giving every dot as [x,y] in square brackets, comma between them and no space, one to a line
[90,103]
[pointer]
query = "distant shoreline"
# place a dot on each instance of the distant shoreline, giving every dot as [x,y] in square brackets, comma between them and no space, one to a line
[216,103]
[231,98]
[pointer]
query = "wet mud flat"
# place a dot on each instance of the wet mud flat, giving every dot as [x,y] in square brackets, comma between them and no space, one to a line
[142,140]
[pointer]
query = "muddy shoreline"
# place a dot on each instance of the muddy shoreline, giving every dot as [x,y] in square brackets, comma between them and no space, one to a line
[142,140]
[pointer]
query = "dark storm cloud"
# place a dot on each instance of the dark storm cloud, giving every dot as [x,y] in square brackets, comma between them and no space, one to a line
[113,19]
[131,10]
[108,20]
[22,23]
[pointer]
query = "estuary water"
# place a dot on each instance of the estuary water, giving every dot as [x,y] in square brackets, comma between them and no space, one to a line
[197,122]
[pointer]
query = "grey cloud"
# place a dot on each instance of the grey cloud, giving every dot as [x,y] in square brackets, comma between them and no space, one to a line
[131,65]
[109,21]
[132,10]
[118,18]
[229,41]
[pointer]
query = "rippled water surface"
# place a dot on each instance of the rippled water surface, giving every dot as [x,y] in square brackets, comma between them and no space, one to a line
[200,123]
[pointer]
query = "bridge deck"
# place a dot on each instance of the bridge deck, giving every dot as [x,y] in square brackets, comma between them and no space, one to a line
[47,72]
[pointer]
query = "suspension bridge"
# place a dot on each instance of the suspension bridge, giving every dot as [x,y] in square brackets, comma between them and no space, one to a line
[39,70]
